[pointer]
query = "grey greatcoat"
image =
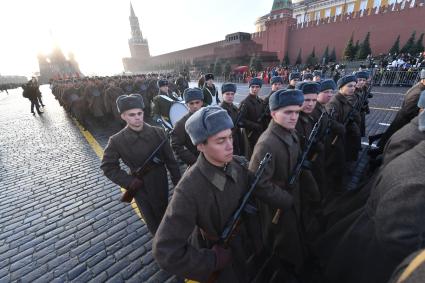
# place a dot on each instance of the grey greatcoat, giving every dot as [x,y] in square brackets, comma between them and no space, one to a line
[202,203]
[388,228]
[181,142]
[133,148]
[403,140]
[251,120]
[284,239]
[352,138]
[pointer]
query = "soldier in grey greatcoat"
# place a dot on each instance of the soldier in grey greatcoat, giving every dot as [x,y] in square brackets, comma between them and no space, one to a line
[388,228]
[203,201]
[133,145]
[287,238]
[180,140]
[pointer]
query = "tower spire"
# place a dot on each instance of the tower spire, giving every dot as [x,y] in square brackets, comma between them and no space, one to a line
[138,45]
[132,14]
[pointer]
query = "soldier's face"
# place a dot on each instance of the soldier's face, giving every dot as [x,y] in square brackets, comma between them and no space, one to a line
[134,118]
[287,117]
[316,79]
[361,82]
[348,89]
[218,149]
[228,97]
[293,82]
[194,105]
[276,86]
[254,89]
[325,96]
[309,103]
[164,89]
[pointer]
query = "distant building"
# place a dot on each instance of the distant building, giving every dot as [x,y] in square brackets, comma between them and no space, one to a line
[291,29]
[56,66]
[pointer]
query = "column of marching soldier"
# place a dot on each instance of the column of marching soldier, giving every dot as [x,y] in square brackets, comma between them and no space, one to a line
[263,198]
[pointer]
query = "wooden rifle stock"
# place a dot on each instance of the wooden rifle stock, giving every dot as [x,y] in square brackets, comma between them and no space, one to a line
[233,223]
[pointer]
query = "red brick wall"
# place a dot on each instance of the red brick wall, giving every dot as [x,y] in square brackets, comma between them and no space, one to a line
[384,28]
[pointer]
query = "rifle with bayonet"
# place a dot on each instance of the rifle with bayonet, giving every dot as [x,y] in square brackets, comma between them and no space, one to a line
[153,161]
[233,223]
[302,161]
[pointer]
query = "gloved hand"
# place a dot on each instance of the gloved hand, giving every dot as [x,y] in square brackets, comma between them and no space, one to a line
[135,184]
[223,257]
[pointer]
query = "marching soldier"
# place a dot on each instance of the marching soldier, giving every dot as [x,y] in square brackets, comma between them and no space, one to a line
[255,108]
[294,77]
[180,140]
[134,145]
[388,228]
[228,91]
[210,91]
[347,116]
[334,153]
[284,238]
[276,84]
[203,201]
[160,104]
[362,95]
[305,125]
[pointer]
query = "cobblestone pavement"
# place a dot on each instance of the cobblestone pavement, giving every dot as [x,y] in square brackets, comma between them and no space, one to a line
[60,218]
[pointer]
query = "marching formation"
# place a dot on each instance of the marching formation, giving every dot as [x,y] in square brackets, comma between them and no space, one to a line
[264,197]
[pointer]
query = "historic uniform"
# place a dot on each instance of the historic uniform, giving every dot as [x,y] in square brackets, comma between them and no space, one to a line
[210,91]
[180,140]
[202,203]
[349,117]
[276,84]
[254,108]
[134,148]
[233,112]
[388,228]
[162,102]
[286,240]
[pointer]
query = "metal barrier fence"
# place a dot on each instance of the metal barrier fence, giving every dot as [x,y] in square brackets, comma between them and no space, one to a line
[395,78]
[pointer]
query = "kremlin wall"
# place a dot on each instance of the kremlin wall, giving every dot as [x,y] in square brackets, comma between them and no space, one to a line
[280,32]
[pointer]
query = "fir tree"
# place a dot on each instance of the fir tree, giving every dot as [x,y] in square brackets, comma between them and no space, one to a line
[299,59]
[419,46]
[395,49]
[285,61]
[325,57]
[218,68]
[410,44]
[312,59]
[332,57]
[227,69]
[349,50]
[364,48]
[356,47]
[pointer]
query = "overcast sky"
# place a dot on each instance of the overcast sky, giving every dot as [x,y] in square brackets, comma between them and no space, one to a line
[97,31]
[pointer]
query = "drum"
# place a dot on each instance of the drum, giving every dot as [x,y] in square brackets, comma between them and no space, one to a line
[170,109]
[177,111]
